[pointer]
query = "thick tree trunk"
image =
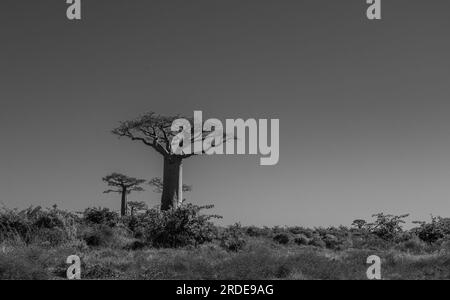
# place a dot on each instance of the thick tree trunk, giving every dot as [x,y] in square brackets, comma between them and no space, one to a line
[171,182]
[123,207]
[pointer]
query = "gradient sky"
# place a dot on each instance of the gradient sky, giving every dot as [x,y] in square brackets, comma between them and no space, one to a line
[363,106]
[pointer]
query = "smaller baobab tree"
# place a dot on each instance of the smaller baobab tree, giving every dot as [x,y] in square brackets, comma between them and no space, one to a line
[123,185]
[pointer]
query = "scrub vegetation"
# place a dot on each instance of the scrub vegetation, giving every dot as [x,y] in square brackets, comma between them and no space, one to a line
[185,243]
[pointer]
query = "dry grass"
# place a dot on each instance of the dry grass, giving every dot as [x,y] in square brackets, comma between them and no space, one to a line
[260,259]
[35,243]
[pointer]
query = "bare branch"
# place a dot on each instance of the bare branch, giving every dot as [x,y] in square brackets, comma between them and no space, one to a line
[157,184]
[111,191]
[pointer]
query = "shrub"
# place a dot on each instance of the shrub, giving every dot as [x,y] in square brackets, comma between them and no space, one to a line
[373,242]
[414,246]
[359,224]
[308,233]
[317,242]
[98,236]
[434,231]
[55,226]
[387,227]
[183,226]
[133,223]
[15,225]
[331,241]
[254,231]
[51,237]
[49,220]
[282,238]
[232,238]
[301,240]
[101,216]
[35,223]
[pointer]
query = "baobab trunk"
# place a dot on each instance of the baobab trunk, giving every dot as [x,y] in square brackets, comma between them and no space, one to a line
[171,183]
[123,207]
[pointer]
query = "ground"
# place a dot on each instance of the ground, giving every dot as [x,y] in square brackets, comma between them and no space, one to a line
[260,259]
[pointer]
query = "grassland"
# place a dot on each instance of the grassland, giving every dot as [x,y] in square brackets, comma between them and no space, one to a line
[185,245]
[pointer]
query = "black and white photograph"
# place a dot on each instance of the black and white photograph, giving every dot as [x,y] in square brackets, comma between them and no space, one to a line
[224,147]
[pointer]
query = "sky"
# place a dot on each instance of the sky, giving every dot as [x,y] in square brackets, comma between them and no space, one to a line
[363,105]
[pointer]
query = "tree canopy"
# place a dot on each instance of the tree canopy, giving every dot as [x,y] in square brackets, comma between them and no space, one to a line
[154,130]
[119,182]
[151,129]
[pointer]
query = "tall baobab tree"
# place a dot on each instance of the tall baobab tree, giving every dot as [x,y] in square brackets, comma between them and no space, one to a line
[123,185]
[158,187]
[155,131]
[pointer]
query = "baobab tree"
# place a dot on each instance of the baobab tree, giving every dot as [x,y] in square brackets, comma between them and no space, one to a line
[158,187]
[155,131]
[123,185]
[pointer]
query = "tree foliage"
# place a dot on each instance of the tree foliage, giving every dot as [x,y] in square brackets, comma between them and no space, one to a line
[119,182]
[154,130]
[151,129]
